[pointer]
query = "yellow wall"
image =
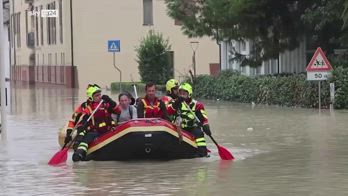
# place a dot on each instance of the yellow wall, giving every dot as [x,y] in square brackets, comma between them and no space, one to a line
[95,23]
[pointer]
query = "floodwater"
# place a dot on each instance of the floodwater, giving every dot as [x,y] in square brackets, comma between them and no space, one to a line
[279,151]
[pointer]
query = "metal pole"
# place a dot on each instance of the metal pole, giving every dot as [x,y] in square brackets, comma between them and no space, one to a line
[2,76]
[118,70]
[194,46]
[72,45]
[319,96]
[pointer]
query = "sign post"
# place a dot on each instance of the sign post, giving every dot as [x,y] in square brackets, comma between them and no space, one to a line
[115,46]
[318,69]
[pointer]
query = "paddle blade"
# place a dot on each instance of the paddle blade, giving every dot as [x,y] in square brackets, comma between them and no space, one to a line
[59,157]
[225,154]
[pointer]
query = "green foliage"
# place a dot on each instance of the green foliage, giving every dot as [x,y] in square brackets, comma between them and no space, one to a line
[154,58]
[288,90]
[324,25]
[272,26]
[340,78]
[128,86]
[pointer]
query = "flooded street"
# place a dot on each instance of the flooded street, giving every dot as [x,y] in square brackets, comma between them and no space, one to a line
[279,151]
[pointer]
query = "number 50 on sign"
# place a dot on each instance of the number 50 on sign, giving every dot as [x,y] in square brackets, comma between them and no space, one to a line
[317,75]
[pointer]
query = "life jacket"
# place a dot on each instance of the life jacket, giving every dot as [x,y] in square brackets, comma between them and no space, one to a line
[152,111]
[167,99]
[77,115]
[188,120]
[101,121]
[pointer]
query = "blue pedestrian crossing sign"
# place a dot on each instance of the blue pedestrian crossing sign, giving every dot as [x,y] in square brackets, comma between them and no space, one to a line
[114,46]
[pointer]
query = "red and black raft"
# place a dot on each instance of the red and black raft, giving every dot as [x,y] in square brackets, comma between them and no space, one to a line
[143,139]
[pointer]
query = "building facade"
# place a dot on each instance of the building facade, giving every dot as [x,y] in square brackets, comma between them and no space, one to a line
[71,49]
[288,62]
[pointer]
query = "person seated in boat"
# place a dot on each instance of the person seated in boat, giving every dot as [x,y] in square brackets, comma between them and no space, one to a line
[100,123]
[75,119]
[179,108]
[126,110]
[172,91]
[150,106]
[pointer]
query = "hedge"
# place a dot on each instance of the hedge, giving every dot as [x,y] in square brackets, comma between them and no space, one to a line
[283,90]
[128,86]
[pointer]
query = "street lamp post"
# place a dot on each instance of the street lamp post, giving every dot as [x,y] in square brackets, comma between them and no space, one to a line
[194,46]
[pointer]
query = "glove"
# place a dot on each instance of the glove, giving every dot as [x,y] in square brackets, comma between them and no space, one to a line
[177,103]
[111,102]
[106,98]
[68,137]
[132,101]
[180,99]
[206,129]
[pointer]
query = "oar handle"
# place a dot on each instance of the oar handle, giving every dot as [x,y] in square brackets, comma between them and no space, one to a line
[135,91]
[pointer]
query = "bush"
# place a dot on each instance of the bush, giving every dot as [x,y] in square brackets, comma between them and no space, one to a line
[284,90]
[154,59]
[340,78]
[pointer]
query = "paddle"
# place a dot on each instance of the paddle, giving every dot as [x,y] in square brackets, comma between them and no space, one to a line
[223,152]
[62,155]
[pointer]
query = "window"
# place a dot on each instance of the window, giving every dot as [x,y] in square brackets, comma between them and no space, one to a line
[18,30]
[26,26]
[41,27]
[148,12]
[56,63]
[62,58]
[51,26]
[37,28]
[60,21]
[13,27]
[48,26]
[49,59]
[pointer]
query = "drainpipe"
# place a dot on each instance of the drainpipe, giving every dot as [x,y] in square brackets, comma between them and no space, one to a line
[72,46]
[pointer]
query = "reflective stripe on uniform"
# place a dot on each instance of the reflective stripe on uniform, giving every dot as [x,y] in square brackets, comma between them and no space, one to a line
[83,146]
[188,117]
[103,124]
[201,141]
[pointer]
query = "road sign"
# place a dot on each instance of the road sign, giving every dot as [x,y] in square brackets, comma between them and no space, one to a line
[114,46]
[318,75]
[319,62]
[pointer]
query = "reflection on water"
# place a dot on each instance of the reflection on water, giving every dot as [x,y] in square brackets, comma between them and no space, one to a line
[279,151]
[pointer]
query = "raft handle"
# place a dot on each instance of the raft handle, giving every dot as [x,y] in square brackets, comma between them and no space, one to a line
[147,150]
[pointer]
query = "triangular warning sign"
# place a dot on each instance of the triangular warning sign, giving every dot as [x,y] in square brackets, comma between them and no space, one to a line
[319,62]
[113,46]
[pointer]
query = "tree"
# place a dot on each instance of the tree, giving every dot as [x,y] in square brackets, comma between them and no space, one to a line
[154,59]
[273,26]
[324,21]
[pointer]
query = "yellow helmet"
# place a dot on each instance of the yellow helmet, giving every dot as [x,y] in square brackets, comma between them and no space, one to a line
[92,89]
[186,87]
[171,84]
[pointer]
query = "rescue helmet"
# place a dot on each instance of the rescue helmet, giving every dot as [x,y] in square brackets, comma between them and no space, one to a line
[171,84]
[186,87]
[92,89]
